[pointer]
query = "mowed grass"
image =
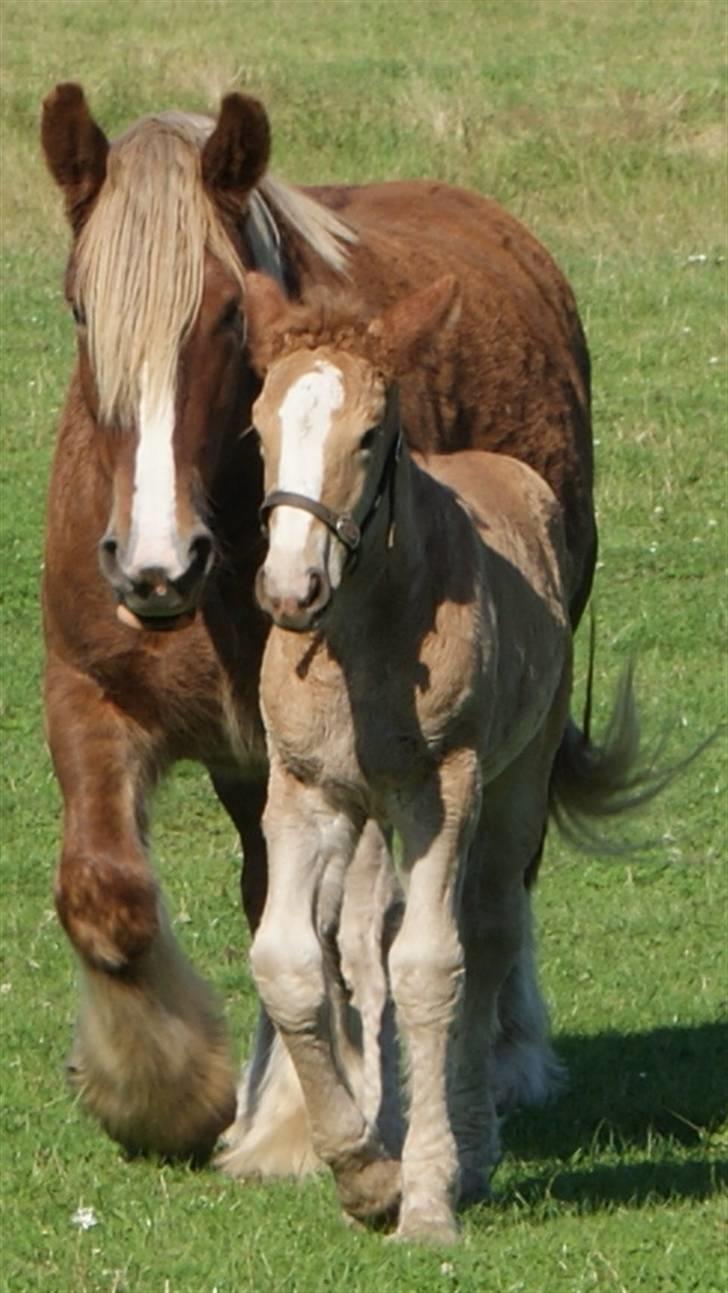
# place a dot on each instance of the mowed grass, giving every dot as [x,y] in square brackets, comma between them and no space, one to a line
[603,127]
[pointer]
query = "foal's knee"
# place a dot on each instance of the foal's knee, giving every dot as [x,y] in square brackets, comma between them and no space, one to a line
[426,980]
[288,970]
[108,910]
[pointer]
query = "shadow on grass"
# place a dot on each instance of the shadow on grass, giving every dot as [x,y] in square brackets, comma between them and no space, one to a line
[658,1094]
[633,1185]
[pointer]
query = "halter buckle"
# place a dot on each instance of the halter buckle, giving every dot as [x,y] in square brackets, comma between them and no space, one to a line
[348,531]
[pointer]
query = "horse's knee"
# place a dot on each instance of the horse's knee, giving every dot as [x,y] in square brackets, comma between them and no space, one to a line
[108,910]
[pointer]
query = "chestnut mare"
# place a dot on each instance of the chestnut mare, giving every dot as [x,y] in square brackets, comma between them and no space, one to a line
[153,638]
[418,673]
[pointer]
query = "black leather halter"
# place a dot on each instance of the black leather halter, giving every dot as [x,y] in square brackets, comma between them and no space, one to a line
[347,527]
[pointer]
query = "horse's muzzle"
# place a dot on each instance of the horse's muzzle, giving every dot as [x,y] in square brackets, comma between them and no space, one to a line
[152,596]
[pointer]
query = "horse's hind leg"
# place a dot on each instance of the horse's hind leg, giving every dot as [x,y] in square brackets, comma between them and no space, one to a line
[270,1135]
[150,1057]
[525,1069]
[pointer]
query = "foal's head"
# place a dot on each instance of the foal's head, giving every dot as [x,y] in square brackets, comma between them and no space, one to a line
[155,282]
[328,424]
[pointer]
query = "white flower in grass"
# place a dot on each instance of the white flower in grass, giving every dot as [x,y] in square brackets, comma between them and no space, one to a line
[84,1218]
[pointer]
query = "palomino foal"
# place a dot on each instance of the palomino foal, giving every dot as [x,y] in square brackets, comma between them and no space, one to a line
[418,673]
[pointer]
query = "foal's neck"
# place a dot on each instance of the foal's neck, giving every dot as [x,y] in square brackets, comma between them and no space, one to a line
[394,578]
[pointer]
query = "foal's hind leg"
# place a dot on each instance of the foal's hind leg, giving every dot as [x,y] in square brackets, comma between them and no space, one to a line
[150,1058]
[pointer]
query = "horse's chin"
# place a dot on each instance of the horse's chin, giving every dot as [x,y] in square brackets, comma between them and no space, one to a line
[155,623]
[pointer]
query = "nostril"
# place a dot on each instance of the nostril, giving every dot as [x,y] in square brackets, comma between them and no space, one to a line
[201,550]
[108,548]
[315,586]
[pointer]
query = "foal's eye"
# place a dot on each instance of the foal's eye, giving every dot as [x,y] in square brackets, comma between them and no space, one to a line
[368,439]
[79,314]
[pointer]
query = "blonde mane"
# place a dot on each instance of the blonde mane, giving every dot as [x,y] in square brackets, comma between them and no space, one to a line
[140,258]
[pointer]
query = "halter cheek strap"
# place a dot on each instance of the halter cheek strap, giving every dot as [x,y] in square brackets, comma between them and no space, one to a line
[345,525]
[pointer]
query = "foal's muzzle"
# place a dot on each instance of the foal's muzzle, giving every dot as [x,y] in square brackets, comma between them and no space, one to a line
[153,595]
[295,606]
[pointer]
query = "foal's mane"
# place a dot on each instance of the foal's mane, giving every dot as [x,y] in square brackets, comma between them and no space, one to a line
[140,258]
[325,317]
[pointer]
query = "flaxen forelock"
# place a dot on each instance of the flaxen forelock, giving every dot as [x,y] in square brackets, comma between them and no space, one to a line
[140,259]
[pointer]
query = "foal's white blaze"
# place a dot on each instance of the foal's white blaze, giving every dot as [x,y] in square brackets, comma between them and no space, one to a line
[153,537]
[305,418]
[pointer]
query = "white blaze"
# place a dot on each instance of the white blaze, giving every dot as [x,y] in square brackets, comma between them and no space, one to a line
[153,539]
[305,417]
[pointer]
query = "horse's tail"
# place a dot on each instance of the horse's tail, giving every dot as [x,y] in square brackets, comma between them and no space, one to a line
[616,776]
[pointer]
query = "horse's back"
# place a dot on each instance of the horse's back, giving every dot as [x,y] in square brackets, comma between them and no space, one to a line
[429,220]
[512,374]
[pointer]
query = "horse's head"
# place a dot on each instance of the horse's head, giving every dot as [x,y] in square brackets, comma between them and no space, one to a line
[328,424]
[155,281]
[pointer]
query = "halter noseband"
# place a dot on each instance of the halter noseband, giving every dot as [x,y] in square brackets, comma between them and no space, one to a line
[342,524]
[345,525]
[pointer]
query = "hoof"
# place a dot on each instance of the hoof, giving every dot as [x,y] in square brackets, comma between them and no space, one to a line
[422,1227]
[150,1060]
[370,1193]
[183,1124]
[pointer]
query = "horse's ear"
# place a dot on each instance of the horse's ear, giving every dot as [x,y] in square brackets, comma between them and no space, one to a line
[75,148]
[236,155]
[266,307]
[407,327]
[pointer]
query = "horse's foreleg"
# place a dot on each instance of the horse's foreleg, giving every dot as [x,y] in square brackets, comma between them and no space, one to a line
[150,1057]
[309,847]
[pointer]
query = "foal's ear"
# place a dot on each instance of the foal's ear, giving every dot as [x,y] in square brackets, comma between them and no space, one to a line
[75,149]
[407,327]
[235,156]
[265,309]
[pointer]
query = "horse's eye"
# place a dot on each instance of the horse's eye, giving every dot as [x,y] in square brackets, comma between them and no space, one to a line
[367,440]
[230,316]
[79,314]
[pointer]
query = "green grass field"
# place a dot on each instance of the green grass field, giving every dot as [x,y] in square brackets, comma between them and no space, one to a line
[602,124]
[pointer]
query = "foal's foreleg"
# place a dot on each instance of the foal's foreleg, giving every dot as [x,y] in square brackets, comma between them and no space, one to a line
[426,966]
[370,917]
[496,932]
[305,839]
[150,1057]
